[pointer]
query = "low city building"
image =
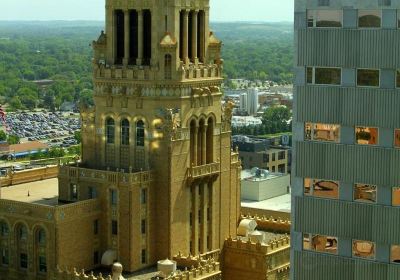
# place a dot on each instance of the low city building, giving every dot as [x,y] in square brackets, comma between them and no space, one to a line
[270,154]
[242,121]
[258,184]
[22,149]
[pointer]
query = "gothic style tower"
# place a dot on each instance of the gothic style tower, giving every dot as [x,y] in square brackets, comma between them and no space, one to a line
[156,146]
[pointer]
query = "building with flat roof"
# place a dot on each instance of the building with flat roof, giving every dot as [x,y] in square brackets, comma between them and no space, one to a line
[345,184]
[258,184]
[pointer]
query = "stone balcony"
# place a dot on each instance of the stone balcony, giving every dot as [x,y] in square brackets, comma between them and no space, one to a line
[105,176]
[202,171]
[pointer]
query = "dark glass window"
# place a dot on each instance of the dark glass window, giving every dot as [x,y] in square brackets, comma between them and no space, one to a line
[125,132]
[143,227]
[168,67]
[5,258]
[41,237]
[114,227]
[96,258]
[74,191]
[144,257]
[23,260]
[110,131]
[23,233]
[3,229]
[143,196]
[114,197]
[42,264]
[92,192]
[140,133]
[369,18]
[368,77]
[328,76]
[96,227]
[398,78]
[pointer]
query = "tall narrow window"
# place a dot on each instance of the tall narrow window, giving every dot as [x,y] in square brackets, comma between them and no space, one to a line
[22,233]
[23,260]
[114,227]
[397,138]
[168,67]
[396,196]
[92,192]
[181,37]
[144,256]
[124,132]
[113,197]
[42,264]
[143,226]
[41,237]
[74,191]
[210,140]
[133,36]
[120,36]
[200,36]
[110,131]
[193,143]
[147,25]
[3,229]
[5,257]
[398,78]
[143,196]
[140,133]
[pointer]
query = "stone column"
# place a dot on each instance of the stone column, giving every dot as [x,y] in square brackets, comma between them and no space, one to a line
[110,26]
[139,60]
[195,221]
[126,37]
[204,145]
[194,36]
[185,44]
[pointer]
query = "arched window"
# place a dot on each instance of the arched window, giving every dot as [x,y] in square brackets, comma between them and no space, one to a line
[140,133]
[193,143]
[41,237]
[110,131]
[168,67]
[22,233]
[3,229]
[124,132]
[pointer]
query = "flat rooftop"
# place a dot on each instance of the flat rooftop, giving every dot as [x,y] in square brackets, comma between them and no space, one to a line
[43,192]
[280,203]
[247,175]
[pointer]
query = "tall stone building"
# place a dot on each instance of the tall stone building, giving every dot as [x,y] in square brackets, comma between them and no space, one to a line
[345,190]
[157,175]
[158,134]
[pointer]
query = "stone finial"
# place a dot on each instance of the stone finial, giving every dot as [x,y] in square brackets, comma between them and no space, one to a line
[117,272]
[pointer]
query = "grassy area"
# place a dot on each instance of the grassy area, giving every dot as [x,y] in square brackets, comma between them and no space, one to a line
[267,136]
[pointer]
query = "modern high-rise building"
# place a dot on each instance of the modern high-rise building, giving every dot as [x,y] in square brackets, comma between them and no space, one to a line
[346,179]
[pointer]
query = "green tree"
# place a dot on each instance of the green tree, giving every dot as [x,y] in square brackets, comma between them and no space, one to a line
[277,119]
[3,136]
[13,139]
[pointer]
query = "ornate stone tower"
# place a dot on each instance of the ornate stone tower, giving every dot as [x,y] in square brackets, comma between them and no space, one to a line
[156,146]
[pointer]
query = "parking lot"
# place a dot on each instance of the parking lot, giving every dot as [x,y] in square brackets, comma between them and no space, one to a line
[56,129]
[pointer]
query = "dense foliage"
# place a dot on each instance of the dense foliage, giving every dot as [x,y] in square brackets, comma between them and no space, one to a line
[274,120]
[60,51]
[257,51]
